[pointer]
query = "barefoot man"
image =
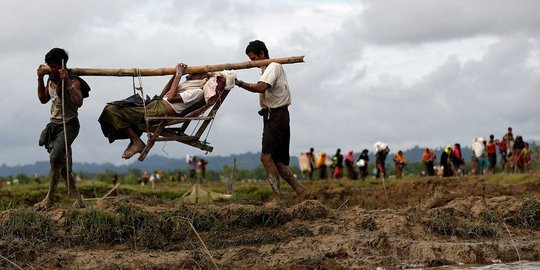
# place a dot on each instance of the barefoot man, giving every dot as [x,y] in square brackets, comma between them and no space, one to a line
[52,137]
[275,98]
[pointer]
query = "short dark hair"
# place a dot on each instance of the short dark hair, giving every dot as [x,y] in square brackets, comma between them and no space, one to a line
[55,56]
[257,47]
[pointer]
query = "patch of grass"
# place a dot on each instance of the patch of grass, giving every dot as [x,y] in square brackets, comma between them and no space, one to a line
[530,214]
[89,189]
[19,250]
[506,178]
[309,210]
[256,192]
[489,216]
[443,221]
[23,235]
[246,217]
[210,219]
[325,230]
[527,217]
[272,217]
[26,224]
[21,195]
[368,223]
[300,230]
[450,222]
[150,234]
[259,237]
[92,226]
[130,219]
[479,230]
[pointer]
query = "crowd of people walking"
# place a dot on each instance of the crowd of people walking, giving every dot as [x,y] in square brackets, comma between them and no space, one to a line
[513,154]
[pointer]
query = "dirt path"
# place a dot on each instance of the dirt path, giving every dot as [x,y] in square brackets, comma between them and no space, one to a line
[429,223]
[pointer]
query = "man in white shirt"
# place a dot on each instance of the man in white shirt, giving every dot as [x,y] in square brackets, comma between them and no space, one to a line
[274,98]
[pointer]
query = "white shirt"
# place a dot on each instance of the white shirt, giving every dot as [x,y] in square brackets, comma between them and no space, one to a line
[190,92]
[278,94]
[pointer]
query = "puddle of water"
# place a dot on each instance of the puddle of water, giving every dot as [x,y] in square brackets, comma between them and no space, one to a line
[524,265]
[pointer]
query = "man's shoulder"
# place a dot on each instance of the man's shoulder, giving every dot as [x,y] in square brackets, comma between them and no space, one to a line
[273,67]
[276,66]
[84,86]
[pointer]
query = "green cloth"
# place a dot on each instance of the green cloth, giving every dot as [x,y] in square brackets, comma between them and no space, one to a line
[52,138]
[115,119]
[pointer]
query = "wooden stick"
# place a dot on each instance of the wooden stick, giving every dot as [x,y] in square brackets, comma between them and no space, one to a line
[68,174]
[513,244]
[99,199]
[346,201]
[123,72]
[10,262]
[202,242]
[111,191]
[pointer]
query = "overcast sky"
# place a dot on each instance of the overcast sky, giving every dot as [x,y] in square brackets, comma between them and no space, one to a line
[416,72]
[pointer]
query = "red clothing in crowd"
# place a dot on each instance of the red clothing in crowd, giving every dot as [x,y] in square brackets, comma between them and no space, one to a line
[502,146]
[491,148]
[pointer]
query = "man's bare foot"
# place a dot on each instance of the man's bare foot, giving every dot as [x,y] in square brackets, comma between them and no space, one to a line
[78,204]
[135,148]
[306,195]
[277,202]
[43,205]
[127,149]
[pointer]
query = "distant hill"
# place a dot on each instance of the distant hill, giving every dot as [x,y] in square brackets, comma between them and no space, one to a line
[154,162]
[151,163]
[245,161]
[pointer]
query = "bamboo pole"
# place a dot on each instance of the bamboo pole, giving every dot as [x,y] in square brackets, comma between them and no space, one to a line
[125,72]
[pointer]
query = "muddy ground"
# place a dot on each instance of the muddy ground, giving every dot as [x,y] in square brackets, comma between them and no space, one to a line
[421,223]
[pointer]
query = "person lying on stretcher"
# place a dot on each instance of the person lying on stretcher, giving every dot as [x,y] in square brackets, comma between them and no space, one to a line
[122,122]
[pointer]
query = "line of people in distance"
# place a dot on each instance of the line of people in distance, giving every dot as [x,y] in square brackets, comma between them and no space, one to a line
[513,152]
[337,165]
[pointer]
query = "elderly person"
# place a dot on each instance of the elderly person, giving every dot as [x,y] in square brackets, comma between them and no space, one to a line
[122,122]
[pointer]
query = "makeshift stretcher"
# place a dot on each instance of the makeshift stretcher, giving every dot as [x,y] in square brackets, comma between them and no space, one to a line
[173,128]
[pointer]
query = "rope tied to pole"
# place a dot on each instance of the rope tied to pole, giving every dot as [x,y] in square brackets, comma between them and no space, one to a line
[137,73]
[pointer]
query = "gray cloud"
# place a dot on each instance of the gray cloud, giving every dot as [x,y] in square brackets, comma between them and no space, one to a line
[394,21]
[334,103]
